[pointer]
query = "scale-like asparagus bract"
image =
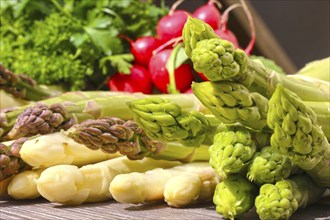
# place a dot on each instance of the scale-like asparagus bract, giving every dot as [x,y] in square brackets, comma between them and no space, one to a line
[233,103]
[234,196]
[163,119]
[111,135]
[232,151]
[10,159]
[282,199]
[218,60]
[22,86]
[269,166]
[298,135]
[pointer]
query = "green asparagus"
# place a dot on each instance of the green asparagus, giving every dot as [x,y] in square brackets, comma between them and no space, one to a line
[232,103]
[298,135]
[22,86]
[8,116]
[43,119]
[319,69]
[163,119]
[282,199]
[232,151]
[112,134]
[269,166]
[218,60]
[234,196]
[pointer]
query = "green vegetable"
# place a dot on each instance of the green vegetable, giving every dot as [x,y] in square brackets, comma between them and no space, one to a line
[319,69]
[234,196]
[282,199]
[8,117]
[22,86]
[113,135]
[73,43]
[165,120]
[298,135]
[269,166]
[218,60]
[232,103]
[232,151]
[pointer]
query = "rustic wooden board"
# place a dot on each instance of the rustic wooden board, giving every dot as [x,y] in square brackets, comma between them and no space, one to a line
[40,209]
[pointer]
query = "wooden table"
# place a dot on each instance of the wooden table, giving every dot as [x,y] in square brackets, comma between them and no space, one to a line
[40,209]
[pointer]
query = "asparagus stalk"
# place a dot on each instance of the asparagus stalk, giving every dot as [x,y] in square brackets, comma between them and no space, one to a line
[232,103]
[45,119]
[8,101]
[23,186]
[111,135]
[269,166]
[234,196]
[22,86]
[319,69]
[10,160]
[71,185]
[218,60]
[298,135]
[148,186]
[8,116]
[163,119]
[232,151]
[190,188]
[53,149]
[282,199]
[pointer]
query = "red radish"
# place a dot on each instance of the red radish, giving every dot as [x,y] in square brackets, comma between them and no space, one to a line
[160,76]
[201,75]
[138,80]
[226,34]
[170,26]
[142,49]
[208,13]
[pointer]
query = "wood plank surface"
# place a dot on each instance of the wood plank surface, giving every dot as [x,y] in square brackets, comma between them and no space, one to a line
[40,209]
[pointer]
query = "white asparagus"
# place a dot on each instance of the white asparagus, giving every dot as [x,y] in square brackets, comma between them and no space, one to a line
[23,186]
[70,185]
[148,186]
[190,188]
[56,148]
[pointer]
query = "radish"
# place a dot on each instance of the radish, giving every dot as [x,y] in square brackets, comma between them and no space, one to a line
[226,34]
[142,49]
[138,80]
[209,13]
[170,26]
[160,77]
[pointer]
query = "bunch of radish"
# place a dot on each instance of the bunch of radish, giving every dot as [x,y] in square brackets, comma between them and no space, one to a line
[150,71]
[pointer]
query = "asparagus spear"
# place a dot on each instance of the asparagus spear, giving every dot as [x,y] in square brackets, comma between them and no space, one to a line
[53,149]
[233,103]
[71,185]
[22,86]
[47,119]
[10,160]
[149,186]
[232,150]
[163,119]
[190,188]
[112,134]
[282,199]
[234,196]
[8,116]
[23,186]
[298,135]
[218,60]
[269,166]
